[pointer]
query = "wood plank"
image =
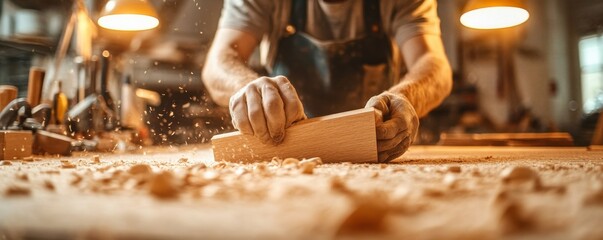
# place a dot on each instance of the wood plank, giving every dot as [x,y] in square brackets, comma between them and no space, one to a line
[507,139]
[343,137]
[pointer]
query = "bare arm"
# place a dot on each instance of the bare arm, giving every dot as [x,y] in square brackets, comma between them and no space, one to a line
[429,79]
[225,70]
[426,84]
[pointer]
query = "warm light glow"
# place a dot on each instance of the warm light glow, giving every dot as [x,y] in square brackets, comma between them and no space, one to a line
[128,22]
[494,17]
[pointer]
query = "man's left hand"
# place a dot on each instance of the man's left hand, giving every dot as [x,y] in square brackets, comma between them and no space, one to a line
[397,124]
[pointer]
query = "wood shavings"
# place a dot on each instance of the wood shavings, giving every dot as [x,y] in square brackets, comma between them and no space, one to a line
[28,159]
[338,185]
[96,159]
[241,170]
[514,218]
[454,169]
[140,169]
[163,186]
[276,161]
[211,175]
[521,175]
[595,197]
[49,185]
[290,162]
[6,163]
[197,167]
[76,179]
[219,165]
[67,164]
[14,191]
[22,176]
[260,169]
[51,172]
[307,167]
[316,160]
[183,160]
[451,181]
[369,212]
[433,192]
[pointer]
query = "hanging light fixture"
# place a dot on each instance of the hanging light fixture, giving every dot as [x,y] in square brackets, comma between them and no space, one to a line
[128,15]
[494,14]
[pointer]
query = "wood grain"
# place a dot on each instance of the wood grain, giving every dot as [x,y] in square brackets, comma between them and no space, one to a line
[15,144]
[343,137]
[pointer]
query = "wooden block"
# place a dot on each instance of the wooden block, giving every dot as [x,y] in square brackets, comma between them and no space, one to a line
[15,144]
[343,137]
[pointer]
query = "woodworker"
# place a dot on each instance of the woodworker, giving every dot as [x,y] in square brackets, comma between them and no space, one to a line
[328,56]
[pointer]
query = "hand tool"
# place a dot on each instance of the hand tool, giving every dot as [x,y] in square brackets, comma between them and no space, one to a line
[10,113]
[42,113]
[60,105]
[34,86]
[53,143]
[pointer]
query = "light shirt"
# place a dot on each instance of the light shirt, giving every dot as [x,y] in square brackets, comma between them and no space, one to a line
[266,20]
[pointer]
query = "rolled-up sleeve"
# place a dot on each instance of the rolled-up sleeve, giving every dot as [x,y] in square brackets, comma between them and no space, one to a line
[251,16]
[411,18]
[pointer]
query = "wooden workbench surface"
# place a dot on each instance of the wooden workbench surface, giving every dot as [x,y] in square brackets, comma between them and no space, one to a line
[430,193]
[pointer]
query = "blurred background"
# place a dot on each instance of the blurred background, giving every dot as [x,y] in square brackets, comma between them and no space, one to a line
[543,76]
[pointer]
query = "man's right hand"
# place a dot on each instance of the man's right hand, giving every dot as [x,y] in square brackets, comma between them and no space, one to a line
[265,107]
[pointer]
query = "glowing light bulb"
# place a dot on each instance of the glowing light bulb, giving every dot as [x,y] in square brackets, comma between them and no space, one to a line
[494,17]
[128,22]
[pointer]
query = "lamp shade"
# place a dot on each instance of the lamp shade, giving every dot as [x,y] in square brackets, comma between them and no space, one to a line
[494,14]
[128,15]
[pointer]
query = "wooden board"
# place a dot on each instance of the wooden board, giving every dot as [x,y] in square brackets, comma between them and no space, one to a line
[342,137]
[15,144]
[507,139]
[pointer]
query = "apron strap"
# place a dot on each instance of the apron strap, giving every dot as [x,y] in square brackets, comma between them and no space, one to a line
[299,13]
[371,11]
[372,17]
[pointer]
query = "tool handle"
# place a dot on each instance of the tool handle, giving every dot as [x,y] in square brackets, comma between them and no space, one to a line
[7,94]
[34,86]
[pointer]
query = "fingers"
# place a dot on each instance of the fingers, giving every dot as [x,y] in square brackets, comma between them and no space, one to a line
[265,107]
[390,128]
[380,104]
[389,144]
[238,113]
[256,116]
[395,152]
[274,112]
[294,110]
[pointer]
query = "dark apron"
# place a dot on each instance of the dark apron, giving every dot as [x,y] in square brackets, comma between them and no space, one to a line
[336,76]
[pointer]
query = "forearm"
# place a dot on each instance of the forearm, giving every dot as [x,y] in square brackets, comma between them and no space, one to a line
[427,83]
[225,73]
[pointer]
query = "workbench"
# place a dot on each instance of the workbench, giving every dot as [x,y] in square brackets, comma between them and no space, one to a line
[181,193]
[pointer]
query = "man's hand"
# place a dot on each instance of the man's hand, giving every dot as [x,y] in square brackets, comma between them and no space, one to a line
[265,107]
[397,124]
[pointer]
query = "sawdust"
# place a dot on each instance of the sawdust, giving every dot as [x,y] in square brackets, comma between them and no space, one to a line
[15,190]
[403,201]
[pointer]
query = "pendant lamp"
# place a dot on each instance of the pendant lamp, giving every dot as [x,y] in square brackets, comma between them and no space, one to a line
[128,15]
[494,14]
